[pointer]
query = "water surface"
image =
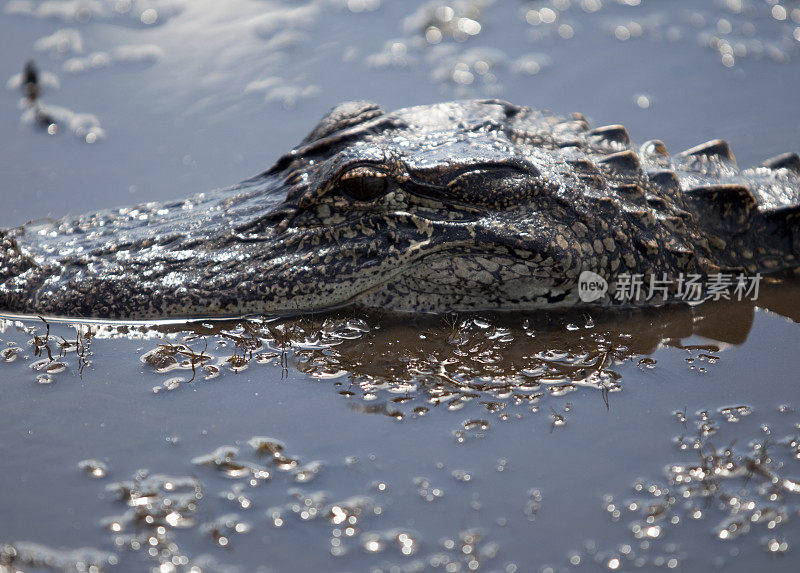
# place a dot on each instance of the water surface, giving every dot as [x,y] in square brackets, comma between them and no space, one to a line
[666,439]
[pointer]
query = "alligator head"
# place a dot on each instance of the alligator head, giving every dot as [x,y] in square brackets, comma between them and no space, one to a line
[455,206]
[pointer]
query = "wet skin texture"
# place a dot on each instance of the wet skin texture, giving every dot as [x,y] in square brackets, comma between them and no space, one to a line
[469,205]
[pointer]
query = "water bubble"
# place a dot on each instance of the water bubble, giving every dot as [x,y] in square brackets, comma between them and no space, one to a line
[223,528]
[266,446]
[534,503]
[149,16]
[622,33]
[566,31]
[779,12]
[433,35]
[533,18]
[732,527]
[93,468]
[307,472]
[10,354]
[548,15]
[733,414]
[476,424]
[45,379]
[427,491]
[55,367]
[776,546]
[372,543]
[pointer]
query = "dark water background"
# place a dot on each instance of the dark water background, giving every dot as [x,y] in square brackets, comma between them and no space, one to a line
[503,445]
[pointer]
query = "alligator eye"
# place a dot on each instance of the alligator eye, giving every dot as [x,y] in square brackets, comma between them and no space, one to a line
[363,184]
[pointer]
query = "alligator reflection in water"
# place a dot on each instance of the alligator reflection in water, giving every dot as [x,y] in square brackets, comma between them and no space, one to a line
[401,366]
[497,359]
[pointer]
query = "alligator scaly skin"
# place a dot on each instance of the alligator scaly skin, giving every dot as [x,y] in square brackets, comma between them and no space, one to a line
[468,205]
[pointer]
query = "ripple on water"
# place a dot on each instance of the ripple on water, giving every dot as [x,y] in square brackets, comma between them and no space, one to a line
[223,460]
[24,554]
[482,370]
[732,492]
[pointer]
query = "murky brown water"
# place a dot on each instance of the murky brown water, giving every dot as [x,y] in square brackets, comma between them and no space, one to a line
[543,442]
